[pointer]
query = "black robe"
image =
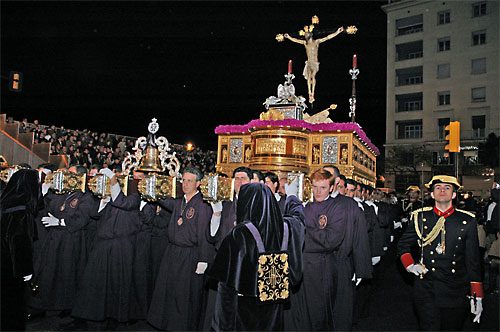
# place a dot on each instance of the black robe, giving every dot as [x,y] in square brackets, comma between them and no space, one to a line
[62,258]
[336,246]
[151,243]
[107,290]
[179,296]
[235,266]
[20,202]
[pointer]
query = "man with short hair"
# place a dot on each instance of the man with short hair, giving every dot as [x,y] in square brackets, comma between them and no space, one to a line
[178,298]
[226,211]
[272,181]
[257,176]
[341,185]
[448,268]
[336,249]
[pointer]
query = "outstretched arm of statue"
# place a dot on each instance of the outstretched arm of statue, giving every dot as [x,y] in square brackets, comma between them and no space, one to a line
[330,36]
[295,40]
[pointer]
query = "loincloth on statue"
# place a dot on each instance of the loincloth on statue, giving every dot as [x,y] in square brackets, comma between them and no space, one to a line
[310,66]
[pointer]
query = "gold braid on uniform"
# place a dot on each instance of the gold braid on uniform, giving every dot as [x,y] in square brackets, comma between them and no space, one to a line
[466,212]
[439,227]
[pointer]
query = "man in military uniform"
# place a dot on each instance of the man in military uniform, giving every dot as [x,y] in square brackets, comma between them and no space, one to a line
[410,204]
[448,268]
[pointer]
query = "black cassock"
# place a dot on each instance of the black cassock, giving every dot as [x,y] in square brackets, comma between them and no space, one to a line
[61,261]
[151,243]
[179,296]
[107,290]
[20,202]
[336,246]
[235,266]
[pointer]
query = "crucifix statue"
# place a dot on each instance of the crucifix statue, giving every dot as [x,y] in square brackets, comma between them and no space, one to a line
[311,67]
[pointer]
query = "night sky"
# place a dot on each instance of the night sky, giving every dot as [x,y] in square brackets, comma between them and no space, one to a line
[112,66]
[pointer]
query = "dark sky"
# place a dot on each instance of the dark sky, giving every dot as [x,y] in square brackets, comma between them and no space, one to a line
[112,66]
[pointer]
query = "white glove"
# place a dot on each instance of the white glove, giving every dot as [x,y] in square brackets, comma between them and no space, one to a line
[416,269]
[106,171]
[398,225]
[52,221]
[45,188]
[375,260]
[28,278]
[358,280]
[216,207]
[392,238]
[201,267]
[292,189]
[385,248]
[476,309]
[404,220]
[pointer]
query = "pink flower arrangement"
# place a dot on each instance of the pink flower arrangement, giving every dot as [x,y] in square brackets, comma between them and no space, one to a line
[334,126]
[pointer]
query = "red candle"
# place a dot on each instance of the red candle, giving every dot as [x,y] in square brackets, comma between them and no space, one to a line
[354,61]
[290,66]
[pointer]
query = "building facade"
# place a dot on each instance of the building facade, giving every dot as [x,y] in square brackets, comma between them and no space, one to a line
[442,66]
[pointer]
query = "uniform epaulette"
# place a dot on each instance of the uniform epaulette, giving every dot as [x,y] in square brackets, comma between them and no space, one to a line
[423,209]
[466,212]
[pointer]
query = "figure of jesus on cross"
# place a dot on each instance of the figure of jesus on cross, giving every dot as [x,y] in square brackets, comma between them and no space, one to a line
[311,67]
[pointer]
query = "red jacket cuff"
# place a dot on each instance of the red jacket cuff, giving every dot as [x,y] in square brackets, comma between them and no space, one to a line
[476,287]
[407,260]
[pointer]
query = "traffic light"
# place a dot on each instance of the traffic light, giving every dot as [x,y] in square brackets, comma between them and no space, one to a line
[16,81]
[453,136]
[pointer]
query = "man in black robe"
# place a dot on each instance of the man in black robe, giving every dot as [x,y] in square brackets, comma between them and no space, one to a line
[273,182]
[107,291]
[179,295]
[336,248]
[241,175]
[20,201]
[239,305]
[62,258]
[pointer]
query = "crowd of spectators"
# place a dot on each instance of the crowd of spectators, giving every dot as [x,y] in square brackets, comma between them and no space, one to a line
[92,149]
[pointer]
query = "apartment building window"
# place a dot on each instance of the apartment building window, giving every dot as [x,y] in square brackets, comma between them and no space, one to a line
[409,76]
[479,37]
[478,9]
[478,66]
[410,50]
[441,158]
[444,98]
[409,129]
[444,44]
[409,25]
[478,126]
[443,70]
[478,94]
[444,17]
[409,102]
[442,123]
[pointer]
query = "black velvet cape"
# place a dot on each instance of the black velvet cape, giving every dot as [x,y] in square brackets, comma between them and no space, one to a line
[235,266]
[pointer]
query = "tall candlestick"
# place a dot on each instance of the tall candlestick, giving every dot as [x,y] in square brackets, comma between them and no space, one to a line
[354,61]
[290,66]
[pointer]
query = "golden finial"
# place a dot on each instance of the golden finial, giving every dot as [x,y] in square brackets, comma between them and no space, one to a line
[279,37]
[315,19]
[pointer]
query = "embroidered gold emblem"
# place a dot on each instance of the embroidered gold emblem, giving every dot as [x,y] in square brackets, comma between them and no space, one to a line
[272,277]
[323,220]
[190,213]
[73,203]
